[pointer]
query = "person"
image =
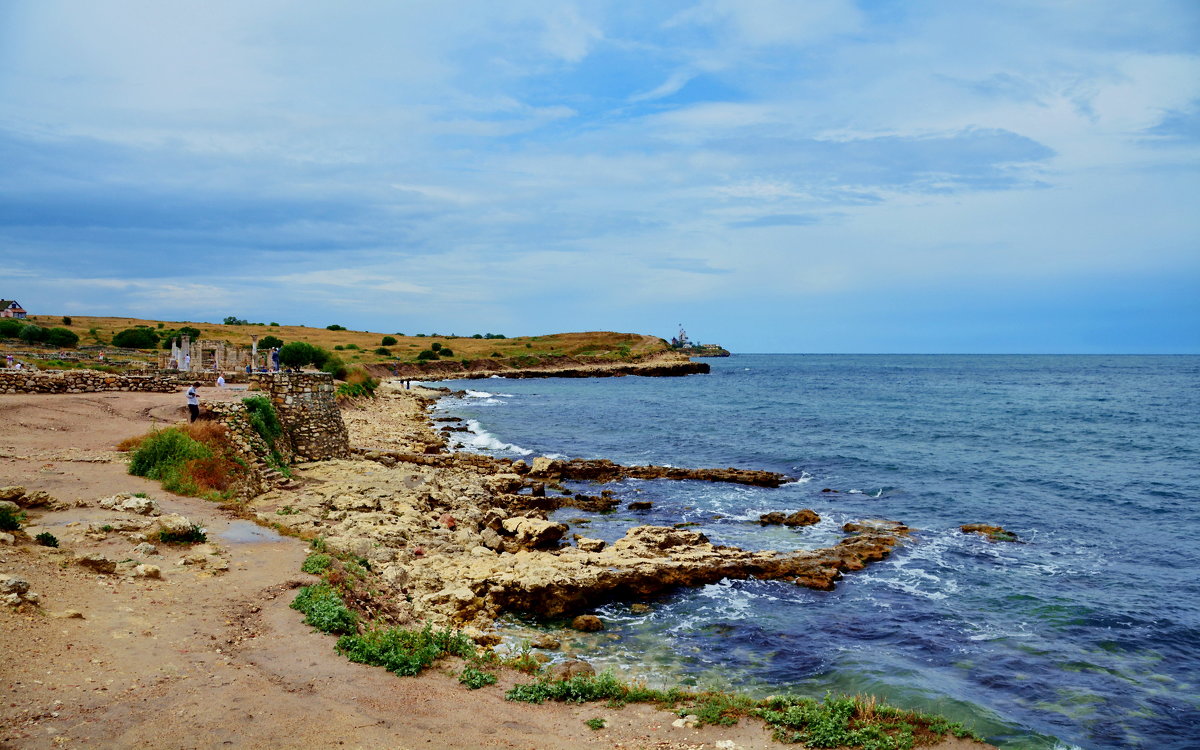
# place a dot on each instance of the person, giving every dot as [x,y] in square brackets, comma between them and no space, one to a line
[8,360]
[193,401]
[187,362]
[249,370]
[220,381]
[275,358]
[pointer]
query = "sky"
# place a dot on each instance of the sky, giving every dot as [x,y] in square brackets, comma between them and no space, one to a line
[774,175]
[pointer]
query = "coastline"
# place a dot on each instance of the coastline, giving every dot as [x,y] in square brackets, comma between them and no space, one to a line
[221,635]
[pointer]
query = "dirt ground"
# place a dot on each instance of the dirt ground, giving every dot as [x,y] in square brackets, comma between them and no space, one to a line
[210,658]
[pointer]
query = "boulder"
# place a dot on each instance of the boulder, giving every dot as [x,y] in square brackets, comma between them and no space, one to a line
[568,669]
[533,533]
[97,562]
[641,505]
[147,571]
[994,533]
[804,517]
[590,545]
[36,499]
[6,538]
[145,548]
[543,467]
[10,584]
[587,623]
[174,524]
[11,493]
[546,641]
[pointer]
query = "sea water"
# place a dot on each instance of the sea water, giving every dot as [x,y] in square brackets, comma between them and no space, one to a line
[1086,633]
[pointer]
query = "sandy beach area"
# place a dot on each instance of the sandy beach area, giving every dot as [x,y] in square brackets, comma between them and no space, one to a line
[205,652]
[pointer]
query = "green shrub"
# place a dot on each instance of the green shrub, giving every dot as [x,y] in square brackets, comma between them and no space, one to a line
[195,534]
[162,455]
[436,346]
[232,320]
[10,328]
[66,320]
[596,724]
[404,652]
[11,520]
[384,351]
[261,414]
[324,610]
[46,539]
[335,327]
[476,678]
[136,338]
[299,353]
[427,354]
[477,336]
[34,334]
[316,563]
[62,337]
[335,366]
[388,341]
[269,342]
[496,354]
[578,689]
[339,348]
[444,352]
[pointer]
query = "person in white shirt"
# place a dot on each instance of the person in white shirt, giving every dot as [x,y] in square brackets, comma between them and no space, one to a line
[193,401]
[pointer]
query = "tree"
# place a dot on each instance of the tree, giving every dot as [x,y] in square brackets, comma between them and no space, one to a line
[136,338]
[270,342]
[10,328]
[388,341]
[235,321]
[299,353]
[63,338]
[335,327]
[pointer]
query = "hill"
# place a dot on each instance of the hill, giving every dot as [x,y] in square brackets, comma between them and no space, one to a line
[360,347]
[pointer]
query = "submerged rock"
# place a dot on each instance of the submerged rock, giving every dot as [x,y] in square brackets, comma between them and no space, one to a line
[994,533]
[804,517]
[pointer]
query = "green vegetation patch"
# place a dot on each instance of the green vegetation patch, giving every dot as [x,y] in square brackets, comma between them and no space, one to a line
[11,520]
[164,455]
[263,418]
[324,610]
[402,651]
[316,563]
[475,678]
[46,539]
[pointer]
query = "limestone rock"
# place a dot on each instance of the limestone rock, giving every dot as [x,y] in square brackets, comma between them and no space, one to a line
[994,533]
[10,584]
[587,623]
[804,517]
[174,524]
[97,562]
[11,493]
[568,669]
[586,544]
[147,571]
[36,499]
[145,548]
[6,538]
[534,533]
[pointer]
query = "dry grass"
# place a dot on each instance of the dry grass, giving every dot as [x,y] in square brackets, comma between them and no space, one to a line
[406,348]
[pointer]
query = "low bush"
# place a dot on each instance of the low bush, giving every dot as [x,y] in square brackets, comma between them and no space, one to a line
[444,352]
[316,563]
[335,366]
[404,652]
[436,346]
[136,338]
[388,341]
[261,414]
[63,338]
[10,328]
[197,459]
[335,327]
[46,539]
[11,520]
[324,610]
[32,334]
[476,678]
[300,353]
[384,351]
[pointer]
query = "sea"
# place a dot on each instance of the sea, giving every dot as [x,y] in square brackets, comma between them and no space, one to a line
[1083,634]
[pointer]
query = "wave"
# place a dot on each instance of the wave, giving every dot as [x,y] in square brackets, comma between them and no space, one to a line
[481,440]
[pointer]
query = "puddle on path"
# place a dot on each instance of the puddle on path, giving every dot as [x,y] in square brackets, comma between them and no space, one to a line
[244,532]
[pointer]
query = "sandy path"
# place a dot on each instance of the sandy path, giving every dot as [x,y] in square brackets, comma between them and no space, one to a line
[216,660]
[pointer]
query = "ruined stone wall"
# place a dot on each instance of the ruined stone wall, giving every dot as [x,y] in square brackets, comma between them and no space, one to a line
[308,412]
[80,381]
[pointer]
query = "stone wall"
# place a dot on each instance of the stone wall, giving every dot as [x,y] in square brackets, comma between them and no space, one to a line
[308,412]
[80,381]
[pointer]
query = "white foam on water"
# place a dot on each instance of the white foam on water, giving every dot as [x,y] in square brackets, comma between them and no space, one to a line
[480,439]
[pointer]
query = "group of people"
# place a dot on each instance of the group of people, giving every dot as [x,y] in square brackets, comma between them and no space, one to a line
[12,364]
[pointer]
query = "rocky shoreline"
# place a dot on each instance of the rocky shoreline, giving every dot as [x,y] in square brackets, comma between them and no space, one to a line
[460,539]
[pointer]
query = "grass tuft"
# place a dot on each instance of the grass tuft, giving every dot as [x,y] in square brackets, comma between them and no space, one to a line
[402,651]
[324,610]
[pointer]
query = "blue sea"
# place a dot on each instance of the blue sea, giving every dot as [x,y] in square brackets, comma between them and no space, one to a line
[1086,634]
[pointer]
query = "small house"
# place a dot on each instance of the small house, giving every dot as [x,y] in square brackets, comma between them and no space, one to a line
[11,309]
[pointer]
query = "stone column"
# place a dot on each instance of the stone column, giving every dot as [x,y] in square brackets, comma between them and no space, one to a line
[254,352]
[185,351]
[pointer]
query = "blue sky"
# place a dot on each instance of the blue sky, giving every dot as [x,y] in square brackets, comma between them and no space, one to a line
[778,175]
